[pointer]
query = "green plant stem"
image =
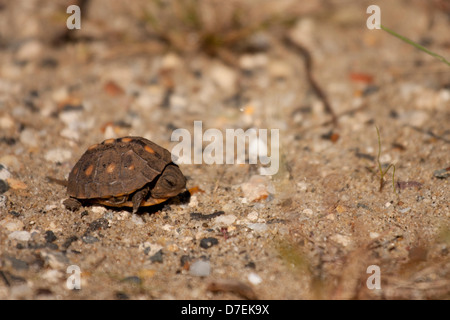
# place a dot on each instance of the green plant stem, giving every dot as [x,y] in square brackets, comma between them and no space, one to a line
[382,174]
[418,46]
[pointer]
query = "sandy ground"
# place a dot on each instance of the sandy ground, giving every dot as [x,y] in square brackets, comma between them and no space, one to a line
[310,231]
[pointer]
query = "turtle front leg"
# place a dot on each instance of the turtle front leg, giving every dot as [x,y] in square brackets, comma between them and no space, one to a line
[138,197]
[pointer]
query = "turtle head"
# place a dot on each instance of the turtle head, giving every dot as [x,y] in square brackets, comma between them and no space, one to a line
[171,183]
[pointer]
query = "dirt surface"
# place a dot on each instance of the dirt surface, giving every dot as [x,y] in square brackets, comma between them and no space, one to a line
[310,231]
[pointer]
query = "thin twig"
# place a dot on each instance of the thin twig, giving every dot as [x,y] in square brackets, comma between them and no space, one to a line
[314,85]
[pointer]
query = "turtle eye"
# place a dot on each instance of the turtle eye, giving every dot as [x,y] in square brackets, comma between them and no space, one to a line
[170,181]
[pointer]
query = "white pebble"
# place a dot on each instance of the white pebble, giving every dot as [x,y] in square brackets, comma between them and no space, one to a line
[29,138]
[4,173]
[19,235]
[3,200]
[29,50]
[167,227]
[137,220]
[171,61]
[200,268]
[6,122]
[257,188]
[11,224]
[405,210]
[308,212]
[193,201]
[224,77]
[374,235]
[258,227]
[98,210]
[341,239]
[52,276]
[227,219]
[302,186]
[58,155]
[50,207]
[70,134]
[252,216]
[254,279]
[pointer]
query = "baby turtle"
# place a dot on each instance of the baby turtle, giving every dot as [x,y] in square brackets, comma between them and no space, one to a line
[125,172]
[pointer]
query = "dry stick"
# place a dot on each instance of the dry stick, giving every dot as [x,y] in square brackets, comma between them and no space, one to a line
[308,66]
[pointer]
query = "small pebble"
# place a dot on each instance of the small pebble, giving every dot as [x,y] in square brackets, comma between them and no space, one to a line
[442,173]
[200,216]
[19,235]
[374,235]
[18,264]
[137,220]
[98,210]
[207,243]
[257,188]
[341,239]
[58,155]
[171,61]
[69,241]
[52,276]
[200,268]
[16,184]
[302,186]
[308,212]
[225,219]
[224,77]
[10,162]
[98,224]
[29,50]
[50,207]
[185,261]
[4,173]
[132,280]
[55,260]
[70,134]
[252,216]
[157,257]
[404,210]
[3,200]
[146,273]
[150,248]
[258,227]
[172,247]
[14,213]
[29,138]
[6,122]
[11,224]
[89,239]
[109,215]
[193,201]
[254,279]
[3,186]
[20,292]
[121,295]
[49,236]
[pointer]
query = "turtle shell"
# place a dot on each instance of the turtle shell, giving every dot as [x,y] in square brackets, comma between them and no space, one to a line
[117,167]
